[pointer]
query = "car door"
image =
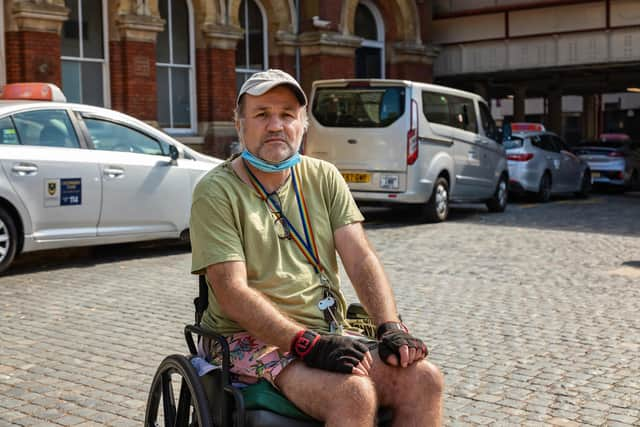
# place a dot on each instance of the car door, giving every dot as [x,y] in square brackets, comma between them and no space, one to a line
[570,167]
[52,174]
[145,193]
[551,152]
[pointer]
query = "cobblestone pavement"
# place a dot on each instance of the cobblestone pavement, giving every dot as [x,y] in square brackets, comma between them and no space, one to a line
[531,314]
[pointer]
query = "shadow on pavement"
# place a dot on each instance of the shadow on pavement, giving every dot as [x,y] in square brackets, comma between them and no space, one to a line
[55,259]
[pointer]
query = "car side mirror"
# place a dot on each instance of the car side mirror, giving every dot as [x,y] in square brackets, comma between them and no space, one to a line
[173,153]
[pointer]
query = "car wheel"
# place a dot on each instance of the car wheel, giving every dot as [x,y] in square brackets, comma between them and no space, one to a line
[585,185]
[8,240]
[635,181]
[437,207]
[544,189]
[498,203]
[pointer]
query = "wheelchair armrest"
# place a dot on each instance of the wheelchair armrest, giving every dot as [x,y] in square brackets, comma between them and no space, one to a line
[223,386]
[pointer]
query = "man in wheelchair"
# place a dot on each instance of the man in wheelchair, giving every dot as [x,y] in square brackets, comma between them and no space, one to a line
[265,229]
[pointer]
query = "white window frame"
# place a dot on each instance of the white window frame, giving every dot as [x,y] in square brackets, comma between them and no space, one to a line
[106,93]
[379,43]
[192,84]
[265,41]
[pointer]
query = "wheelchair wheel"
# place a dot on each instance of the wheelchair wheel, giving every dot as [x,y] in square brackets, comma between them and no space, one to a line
[177,397]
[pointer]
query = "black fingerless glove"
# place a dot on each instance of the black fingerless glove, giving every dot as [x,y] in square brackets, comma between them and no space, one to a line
[392,336]
[328,352]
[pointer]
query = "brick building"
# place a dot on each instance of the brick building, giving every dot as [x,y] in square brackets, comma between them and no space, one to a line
[178,63]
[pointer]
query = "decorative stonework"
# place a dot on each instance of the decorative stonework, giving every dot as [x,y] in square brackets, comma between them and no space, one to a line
[141,28]
[39,16]
[411,52]
[328,43]
[222,36]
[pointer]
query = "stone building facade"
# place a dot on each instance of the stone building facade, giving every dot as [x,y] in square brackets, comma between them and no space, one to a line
[178,63]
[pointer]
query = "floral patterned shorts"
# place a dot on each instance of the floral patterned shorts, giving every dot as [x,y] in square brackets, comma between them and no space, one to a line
[251,359]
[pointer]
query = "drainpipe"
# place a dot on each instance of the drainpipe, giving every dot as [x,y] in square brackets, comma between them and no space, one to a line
[297,30]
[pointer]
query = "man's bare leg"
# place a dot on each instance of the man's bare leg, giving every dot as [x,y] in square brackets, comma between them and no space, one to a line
[336,399]
[414,393]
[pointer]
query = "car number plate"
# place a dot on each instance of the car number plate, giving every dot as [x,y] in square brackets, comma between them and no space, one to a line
[595,174]
[357,177]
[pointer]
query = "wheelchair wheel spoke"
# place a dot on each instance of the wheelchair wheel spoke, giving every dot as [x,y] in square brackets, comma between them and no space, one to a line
[177,398]
[168,401]
[184,405]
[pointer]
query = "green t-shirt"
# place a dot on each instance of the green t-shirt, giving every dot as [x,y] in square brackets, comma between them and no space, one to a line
[230,222]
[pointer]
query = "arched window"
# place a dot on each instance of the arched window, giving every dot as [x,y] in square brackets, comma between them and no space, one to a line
[251,53]
[83,49]
[174,68]
[370,55]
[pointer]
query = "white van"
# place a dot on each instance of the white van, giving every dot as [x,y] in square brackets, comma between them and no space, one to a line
[403,142]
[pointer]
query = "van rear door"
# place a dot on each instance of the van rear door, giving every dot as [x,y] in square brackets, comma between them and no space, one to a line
[361,127]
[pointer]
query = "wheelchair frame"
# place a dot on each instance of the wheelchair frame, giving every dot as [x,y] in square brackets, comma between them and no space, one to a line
[217,403]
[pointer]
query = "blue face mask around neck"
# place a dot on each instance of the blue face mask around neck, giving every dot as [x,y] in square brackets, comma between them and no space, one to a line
[270,167]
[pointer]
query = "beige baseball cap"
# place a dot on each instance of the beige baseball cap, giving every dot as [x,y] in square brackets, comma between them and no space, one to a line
[263,81]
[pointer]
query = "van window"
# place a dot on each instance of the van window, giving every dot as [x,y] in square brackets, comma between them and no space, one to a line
[450,110]
[488,125]
[436,108]
[358,107]
[463,113]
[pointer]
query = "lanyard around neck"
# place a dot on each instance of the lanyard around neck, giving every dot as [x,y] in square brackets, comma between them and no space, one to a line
[308,245]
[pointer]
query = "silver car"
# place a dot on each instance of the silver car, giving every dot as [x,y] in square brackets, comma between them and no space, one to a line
[77,175]
[613,161]
[540,163]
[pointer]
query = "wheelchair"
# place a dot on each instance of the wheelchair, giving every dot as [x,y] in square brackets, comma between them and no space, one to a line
[179,397]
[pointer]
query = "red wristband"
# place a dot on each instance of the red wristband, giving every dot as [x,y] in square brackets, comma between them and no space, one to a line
[303,342]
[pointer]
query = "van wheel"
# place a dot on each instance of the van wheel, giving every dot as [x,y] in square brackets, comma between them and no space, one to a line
[8,240]
[498,203]
[544,190]
[437,208]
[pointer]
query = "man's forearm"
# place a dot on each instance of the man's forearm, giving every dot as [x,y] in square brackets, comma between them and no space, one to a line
[248,307]
[373,289]
[366,273]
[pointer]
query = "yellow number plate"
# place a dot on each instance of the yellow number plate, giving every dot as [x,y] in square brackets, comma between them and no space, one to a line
[595,174]
[357,177]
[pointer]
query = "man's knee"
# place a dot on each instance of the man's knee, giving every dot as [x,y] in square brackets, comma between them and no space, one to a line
[356,393]
[428,378]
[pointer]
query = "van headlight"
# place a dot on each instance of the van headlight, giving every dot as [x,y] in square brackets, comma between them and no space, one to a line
[390,182]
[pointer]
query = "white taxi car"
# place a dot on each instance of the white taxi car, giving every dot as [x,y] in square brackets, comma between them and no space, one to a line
[78,175]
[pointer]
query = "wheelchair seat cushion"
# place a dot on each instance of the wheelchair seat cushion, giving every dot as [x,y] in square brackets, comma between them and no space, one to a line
[263,395]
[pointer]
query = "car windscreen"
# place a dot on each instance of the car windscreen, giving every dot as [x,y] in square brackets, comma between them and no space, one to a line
[513,142]
[358,106]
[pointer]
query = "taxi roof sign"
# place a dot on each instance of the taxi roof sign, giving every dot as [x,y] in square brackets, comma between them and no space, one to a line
[32,92]
[527,127]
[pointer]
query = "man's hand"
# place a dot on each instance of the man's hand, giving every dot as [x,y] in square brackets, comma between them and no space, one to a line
[397,346]
[332,353]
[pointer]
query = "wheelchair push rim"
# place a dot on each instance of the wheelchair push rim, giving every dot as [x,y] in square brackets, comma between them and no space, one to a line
[177,397]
